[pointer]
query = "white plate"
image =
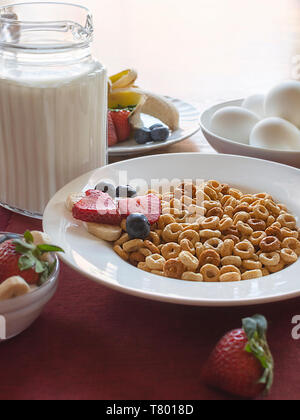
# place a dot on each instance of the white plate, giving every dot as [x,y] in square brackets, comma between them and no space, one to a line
[189,125]
[96,260]
[222,145]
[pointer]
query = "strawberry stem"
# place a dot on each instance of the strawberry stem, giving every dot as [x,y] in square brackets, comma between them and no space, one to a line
[256,330]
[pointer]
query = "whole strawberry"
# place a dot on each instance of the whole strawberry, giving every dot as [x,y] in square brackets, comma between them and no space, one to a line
[20,257]
[242,363]
[112,137]
[120,118]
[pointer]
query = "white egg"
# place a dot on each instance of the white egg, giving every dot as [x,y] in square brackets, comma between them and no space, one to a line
[283,101]
[234,123]
[256,104]
[275,133]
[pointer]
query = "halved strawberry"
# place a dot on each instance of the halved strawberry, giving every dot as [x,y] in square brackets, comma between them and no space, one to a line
[96,193]
[111,130]
[149,206]
[21,257]
[98,207]
[9,264]
[120,118]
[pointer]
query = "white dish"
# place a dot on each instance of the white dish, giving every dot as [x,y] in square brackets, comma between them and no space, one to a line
[226,146]
[189,125]
[96,260]
[20,313]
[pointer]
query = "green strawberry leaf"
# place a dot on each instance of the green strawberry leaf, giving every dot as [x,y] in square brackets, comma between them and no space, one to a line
[262,325]
[39,266]
[49,248]
[30,258]
[250,327]
[22,246]
[26,262]
[52,267]
[43,278]
[122,108]
[256,331]
[28,237]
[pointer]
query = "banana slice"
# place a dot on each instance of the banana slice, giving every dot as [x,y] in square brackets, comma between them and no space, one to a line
[73,199]
[108,233]
[123,79]
[40,238]
[13,287]
[123,93]
[156,106]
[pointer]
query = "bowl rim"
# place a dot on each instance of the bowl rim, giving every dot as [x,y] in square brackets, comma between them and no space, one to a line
[246,147]
[21,301]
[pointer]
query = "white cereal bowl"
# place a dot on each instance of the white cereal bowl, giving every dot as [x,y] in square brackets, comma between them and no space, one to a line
[18,314]
[96,260]
[223,145]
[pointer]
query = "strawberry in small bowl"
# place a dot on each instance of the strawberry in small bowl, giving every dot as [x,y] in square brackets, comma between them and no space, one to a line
[29,272]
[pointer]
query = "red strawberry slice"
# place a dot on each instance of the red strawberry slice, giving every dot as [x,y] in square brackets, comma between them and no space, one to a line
[96,193]
[121,122]
[149,206]
[9,264]
[21,257]
[97,208]
[111,130]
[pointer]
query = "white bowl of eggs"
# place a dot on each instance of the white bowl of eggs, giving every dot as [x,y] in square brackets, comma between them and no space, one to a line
[261,126]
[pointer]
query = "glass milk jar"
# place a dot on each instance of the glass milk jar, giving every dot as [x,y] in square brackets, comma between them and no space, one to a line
[53,102]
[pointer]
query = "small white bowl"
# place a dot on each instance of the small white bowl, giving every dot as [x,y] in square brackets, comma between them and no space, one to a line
[17,315]
[222,145]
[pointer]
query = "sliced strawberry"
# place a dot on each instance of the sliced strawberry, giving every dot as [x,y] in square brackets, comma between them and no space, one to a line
[149,206]
[96,193]
[111,130]
[9,264]
[97,208]
[121,122]
[21,257]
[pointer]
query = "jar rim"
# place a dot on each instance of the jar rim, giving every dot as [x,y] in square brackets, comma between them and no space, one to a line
[80,34]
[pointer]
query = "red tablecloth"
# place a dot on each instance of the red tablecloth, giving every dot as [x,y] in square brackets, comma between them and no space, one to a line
[94,343]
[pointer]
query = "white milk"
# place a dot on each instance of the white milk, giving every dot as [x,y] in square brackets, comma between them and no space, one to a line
[50,133]
[53,102]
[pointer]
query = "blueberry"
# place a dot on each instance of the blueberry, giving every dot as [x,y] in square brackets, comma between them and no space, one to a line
[125,191]
[160,134]
[137,226]
[105,187]
[142,135]
[156,126]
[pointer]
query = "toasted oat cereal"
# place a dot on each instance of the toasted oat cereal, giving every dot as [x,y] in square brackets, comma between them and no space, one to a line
[213,232]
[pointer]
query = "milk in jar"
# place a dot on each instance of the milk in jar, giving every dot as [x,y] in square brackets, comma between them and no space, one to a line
[53,103]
